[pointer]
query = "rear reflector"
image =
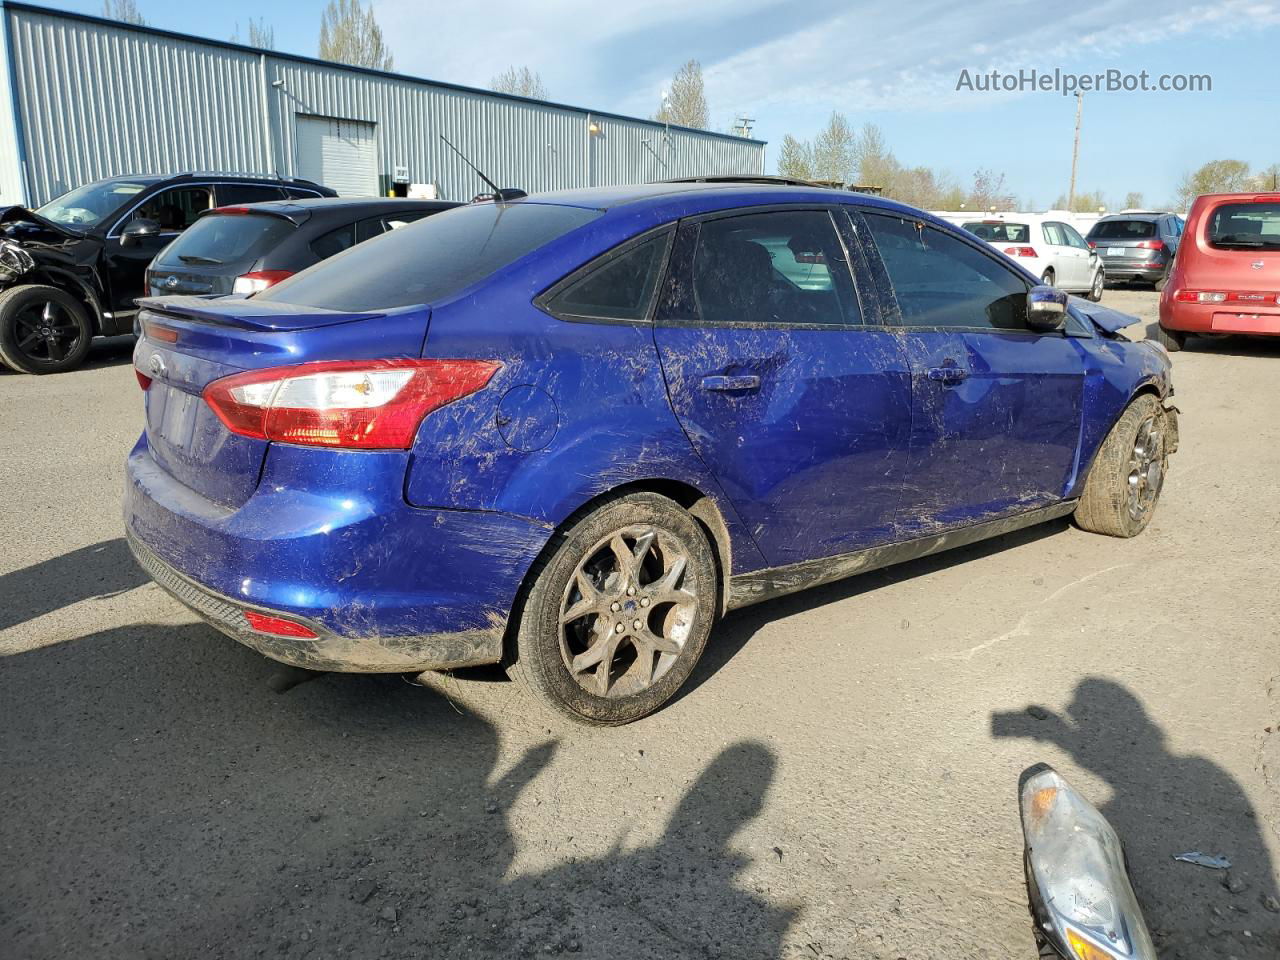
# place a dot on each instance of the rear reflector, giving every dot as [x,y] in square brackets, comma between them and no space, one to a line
[259,280]
[278,626]
[154,331]
[143,380]
[1020,251]
[353,404]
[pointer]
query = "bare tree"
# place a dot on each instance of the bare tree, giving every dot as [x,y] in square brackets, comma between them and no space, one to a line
[1268,179]
[523,82]
[349,34]
[260,35]
[795,159]
[1133,200]
[876,164]
[126,11]
[1081,202]
[686,101]
[988,192]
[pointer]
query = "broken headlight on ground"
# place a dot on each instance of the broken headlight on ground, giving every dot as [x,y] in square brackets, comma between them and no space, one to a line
[1081,897]
[14,261]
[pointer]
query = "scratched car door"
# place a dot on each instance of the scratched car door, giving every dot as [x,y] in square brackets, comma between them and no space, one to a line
[799,406]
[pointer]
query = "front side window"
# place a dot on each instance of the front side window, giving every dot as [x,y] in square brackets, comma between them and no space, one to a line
[1244,226]
[174,209]
[620,287]
[943,282]
[772,268]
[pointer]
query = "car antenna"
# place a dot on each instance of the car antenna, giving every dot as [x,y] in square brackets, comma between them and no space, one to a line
[499,194]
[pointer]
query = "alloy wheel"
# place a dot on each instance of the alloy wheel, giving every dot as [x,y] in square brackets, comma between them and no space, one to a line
[46,332]
[1146,468]
[627,611]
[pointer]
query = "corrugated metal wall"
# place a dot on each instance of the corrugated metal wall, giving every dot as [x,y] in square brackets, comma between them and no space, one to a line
[99,99]
[10,169]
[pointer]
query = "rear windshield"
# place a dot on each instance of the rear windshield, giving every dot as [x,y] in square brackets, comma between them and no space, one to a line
[1123,230]
[1245,226]
[228,238]
[429,260]
[999,232]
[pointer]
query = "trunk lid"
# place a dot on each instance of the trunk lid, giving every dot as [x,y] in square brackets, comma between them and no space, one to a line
[188,342]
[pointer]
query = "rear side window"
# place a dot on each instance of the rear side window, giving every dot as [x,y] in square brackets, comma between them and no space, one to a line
[229,193]
[334,242]
[1244,226]
[786,267]
[229,238]
[618,287]
[429,260]
[943,282]
[1123,230]
[1053,234]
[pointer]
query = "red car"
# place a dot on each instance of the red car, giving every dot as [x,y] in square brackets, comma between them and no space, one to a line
[1226,275]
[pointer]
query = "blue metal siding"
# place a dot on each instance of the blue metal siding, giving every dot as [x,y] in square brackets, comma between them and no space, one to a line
[97,98]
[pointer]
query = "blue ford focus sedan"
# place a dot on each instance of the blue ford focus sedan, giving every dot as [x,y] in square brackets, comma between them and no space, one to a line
[568,432]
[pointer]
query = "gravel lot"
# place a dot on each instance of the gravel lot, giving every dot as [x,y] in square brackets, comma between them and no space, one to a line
[839,782]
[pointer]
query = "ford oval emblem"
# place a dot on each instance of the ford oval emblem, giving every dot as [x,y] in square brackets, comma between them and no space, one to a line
[156,365]
[171,282]
[1257,264]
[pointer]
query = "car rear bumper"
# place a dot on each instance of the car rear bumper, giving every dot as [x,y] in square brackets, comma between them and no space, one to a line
[1129,269]
[385,587]
[1212,318]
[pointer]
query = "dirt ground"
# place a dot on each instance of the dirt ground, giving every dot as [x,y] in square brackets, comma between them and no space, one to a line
[839,780]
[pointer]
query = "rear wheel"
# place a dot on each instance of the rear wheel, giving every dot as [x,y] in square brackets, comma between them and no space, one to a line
[1128,473]
[43,329]
[1099,282]
[1047,278]
[1171,340]
[617,616]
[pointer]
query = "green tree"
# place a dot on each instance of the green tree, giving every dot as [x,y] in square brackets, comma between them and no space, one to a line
[260,35]
[685,103]
[349,34]
[522,82]
[795,159]
[1133,200]
[833,150]
[1216,176]
[1083,202]
[874,162]
[126,11]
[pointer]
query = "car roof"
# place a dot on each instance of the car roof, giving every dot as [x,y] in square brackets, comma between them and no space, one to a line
[1136,215]
[302,210]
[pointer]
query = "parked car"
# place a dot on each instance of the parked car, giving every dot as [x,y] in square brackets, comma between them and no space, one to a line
[71,269]
[245,249]
[1226,277]
[1051,249]
[1137,245]
[567,433]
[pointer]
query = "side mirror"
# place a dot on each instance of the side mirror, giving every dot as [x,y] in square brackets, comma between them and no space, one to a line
[1046,308]
[138,230]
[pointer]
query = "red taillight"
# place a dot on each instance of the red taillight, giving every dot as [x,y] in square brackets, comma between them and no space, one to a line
[258,280]
[1150,245]
[1093,244]
[1200,296]
[1020,251]
[143,380]
[278,626]
[355,404]
[1230,296]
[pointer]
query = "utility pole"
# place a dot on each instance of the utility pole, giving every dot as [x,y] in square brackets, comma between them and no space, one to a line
[1075,154]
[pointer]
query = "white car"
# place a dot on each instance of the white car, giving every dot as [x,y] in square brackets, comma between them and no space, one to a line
[1051,249]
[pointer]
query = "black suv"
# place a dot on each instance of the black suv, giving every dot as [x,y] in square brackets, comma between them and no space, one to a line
[1137,245]
[71,270]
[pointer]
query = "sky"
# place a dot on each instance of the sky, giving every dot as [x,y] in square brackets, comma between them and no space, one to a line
[789,66]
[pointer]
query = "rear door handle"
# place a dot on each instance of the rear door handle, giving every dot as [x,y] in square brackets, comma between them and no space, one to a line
[948,374]
[722,382]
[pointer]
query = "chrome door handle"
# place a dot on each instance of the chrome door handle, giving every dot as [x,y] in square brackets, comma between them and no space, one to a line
[948,374]
[726,383]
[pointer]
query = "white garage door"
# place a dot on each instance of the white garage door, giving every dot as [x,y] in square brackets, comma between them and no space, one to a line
[342,154]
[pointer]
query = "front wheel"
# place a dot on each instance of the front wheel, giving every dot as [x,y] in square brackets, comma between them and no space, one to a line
[617,616]
[1128,473]
[1099,282]
[43,329]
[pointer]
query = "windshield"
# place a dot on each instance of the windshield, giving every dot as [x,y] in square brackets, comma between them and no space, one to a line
[89,205]
[998,231]
[228,238]
[1245,226]
[431,259]
[1123,230]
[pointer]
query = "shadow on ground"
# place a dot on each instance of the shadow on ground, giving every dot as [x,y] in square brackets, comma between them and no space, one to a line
[103,352]
[100,570]
[1164,803]
[160,802]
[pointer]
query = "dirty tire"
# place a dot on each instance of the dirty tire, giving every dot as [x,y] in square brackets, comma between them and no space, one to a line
[20,308]
[1171,340]
[1099,284]
[579,663]
[1134,457]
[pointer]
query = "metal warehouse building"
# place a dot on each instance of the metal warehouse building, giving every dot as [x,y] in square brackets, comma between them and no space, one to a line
[83,98]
